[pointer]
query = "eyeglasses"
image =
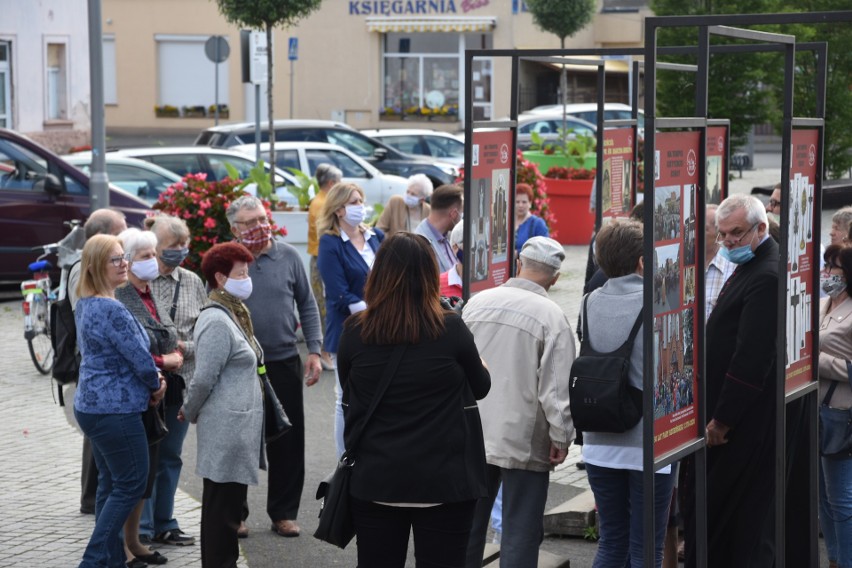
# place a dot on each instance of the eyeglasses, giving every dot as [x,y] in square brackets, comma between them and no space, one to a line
[117,261]
[773,203]
[252,223]
[733,237]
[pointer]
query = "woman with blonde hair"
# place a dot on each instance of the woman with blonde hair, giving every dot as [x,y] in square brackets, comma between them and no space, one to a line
[347,249]
[118,381]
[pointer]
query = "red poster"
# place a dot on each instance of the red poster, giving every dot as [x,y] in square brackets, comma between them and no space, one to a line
[801,300]
[717,177]
[619,177]
[491,206]
[675,271]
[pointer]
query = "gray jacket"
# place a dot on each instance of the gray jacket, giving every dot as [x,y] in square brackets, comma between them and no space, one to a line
[224,399]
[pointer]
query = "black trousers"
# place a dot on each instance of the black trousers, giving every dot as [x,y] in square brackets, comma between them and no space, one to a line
[88,478]
[441,534]
[286,455]
[221,511]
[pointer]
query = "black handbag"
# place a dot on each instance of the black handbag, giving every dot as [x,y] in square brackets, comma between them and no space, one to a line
[275,420]
[174,381]
[336,525]
[602,399]
[154,420]
[835,425]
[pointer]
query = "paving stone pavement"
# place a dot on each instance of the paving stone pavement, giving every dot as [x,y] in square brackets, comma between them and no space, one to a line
[40,521]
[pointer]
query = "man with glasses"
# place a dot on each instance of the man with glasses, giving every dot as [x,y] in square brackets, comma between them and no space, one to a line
[774,205]
[280,284]
[740,394]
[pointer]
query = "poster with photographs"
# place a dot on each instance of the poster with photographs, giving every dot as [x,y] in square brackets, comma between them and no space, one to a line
[499,215]
[489,216]
[801,297]
[618,194]
[675,277]
[717,150]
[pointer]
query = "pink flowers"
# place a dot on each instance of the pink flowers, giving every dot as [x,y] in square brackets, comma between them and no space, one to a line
[210,223]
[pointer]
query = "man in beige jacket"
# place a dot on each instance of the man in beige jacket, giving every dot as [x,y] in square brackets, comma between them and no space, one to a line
[526,340]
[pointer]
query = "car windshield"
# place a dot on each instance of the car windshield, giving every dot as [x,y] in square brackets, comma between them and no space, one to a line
[359,144]
[20,167]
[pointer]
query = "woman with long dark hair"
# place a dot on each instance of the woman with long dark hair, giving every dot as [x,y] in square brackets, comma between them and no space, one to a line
[420,460]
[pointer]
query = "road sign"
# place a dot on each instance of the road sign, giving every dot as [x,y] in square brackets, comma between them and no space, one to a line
[293,49]
[217,49]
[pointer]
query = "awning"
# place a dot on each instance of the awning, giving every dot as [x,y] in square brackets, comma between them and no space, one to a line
[430,24]
[610,65]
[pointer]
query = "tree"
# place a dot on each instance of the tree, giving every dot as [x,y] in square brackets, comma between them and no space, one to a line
[563,18]
[267,15]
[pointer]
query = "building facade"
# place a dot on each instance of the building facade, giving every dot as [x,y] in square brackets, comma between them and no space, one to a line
[44,70]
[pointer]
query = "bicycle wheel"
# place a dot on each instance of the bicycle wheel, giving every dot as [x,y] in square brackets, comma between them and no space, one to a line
[38,341]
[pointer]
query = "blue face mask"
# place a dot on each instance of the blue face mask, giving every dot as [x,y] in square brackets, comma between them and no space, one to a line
[460,255]
[739,255]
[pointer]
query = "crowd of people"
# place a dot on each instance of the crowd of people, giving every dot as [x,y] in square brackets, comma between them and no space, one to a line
[474,407]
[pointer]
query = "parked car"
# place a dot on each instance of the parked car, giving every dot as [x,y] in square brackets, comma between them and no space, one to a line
[39,191]
[589,112]
[143,179]
[547,126]
[306,156]
[422,142]
[383,157]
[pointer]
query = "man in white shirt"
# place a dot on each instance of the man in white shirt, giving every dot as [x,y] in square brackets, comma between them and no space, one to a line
[717,269]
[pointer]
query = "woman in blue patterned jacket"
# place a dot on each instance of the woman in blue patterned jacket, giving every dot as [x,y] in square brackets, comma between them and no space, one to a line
[118,380]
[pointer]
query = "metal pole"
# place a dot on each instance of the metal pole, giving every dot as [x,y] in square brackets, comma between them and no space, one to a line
[98,182]
[292,81]
[216,109]
[257,123]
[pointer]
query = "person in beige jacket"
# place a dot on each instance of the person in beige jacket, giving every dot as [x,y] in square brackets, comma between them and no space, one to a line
[404,212]
[526,341]
[835,349]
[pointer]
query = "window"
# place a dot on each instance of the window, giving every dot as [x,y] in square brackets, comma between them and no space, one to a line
[5,85]
[110,81]
[441,147]
[422,73]
[220,172]
[180,164]
[138,181]
[57,82]
[19,168]
[349,167]
[185,77]
[353,142]
[283,159]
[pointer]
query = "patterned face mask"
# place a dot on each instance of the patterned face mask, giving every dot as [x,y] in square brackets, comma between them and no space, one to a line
[256,238]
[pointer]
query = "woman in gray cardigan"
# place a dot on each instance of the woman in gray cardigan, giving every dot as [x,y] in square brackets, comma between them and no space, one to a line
[225,401]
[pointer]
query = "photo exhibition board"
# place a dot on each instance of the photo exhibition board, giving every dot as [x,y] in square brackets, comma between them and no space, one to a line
[490,225]
[801,261]
[717,176]
[619,172]
[676,273]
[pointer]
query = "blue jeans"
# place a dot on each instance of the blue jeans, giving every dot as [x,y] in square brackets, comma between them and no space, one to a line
[835,509]
[158,512]
[618,496]
[120,449]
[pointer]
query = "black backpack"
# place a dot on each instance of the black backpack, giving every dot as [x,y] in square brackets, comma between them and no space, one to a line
[602,399]
[63,336]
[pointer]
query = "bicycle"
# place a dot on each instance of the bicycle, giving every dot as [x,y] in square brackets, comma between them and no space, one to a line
[38,295]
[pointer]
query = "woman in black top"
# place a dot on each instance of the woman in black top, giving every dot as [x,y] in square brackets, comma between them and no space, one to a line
[420,461]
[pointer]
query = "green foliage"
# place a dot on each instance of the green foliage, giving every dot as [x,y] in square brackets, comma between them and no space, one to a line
[563,18]
[591,533]
[257,176]
[570,143]
[305,189]
[259,14]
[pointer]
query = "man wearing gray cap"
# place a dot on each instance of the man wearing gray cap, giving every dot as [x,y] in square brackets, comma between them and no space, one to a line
[527,343]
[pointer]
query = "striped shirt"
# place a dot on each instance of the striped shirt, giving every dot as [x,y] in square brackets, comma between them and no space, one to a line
[718,272]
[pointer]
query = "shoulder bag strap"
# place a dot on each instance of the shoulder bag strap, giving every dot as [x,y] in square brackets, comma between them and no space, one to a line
[585,316]
[261,365]
[635,331]
[387,375]
[173,310]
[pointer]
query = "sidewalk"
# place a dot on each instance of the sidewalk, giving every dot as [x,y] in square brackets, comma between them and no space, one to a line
[40,521]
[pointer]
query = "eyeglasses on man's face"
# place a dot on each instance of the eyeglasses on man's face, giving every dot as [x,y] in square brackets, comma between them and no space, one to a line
[117,261]
[734,237]
[253,222]
[773,203]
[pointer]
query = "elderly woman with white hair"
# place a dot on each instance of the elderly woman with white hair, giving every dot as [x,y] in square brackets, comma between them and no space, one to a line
[404,212]
[451,280]
[141,250]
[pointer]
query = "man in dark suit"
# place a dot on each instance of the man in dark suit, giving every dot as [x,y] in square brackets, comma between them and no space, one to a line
[741,375]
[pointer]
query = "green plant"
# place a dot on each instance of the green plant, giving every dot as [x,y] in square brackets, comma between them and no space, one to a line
[202,204]
[591,533]
[305,189]
[257,176]
[571,142]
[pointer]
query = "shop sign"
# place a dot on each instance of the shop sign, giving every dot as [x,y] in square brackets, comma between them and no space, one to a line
[413,7]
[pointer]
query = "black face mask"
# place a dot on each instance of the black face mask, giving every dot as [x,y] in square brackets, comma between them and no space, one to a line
[173,257]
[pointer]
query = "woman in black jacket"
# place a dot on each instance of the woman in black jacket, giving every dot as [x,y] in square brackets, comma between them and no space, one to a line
[420,461]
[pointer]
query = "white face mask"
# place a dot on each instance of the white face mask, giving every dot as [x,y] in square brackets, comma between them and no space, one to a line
[355,214]
[145,270]
[411,200]
[238,288]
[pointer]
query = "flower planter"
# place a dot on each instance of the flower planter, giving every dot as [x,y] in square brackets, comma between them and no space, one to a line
[569,201]
[547,161]
[391,117]
[443,118]
[167,113]
[296,223]
[195,114]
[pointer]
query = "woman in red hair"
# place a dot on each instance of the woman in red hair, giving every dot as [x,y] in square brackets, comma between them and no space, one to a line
[527,225]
